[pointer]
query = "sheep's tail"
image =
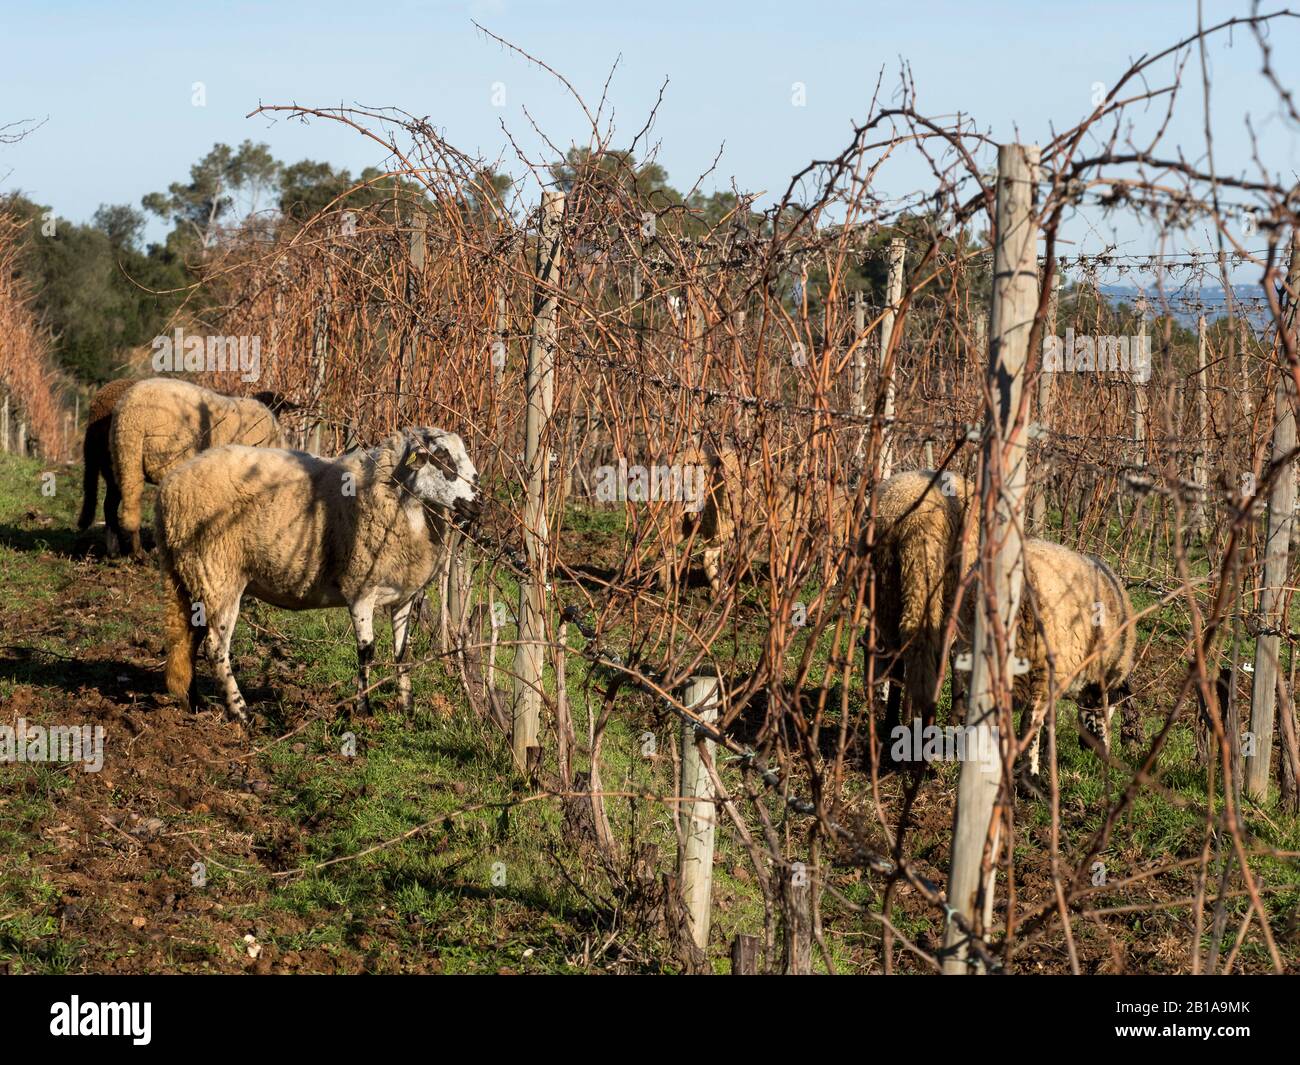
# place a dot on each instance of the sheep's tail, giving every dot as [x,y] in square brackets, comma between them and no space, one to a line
[94,452]
[181,634]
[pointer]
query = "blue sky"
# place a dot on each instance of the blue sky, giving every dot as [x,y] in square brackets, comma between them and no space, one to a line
[115,80]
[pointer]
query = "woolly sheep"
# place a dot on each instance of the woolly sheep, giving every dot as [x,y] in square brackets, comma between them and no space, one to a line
[95,452]
[733,487]
[159,423]
[303,533]
[918,557]
[1076,626]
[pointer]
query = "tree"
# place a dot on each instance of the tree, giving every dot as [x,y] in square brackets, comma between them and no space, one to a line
[122,223]
[217,183]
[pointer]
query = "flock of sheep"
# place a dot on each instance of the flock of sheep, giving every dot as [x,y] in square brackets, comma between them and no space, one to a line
[1077,630]
[239,514]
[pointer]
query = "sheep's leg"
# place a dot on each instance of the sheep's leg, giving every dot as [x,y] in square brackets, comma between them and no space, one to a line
[713,568]
[1032,729]
[221,627]
[130,487]
[1106,711]
[401,652]
[363,624]
[112,520]
[893,705]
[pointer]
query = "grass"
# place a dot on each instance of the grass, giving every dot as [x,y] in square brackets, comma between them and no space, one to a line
[483,881]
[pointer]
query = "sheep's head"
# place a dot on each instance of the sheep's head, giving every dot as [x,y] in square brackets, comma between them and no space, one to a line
[437,470]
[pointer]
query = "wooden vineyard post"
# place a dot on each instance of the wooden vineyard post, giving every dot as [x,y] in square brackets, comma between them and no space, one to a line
[1281,514]
[320,338]
[744,955]
[859,383]
[894,293]
[796,906]
[1014,301]
[540,392]
[1140,390]
[1200,471]
[416,252]
[699,814]
[1046,391]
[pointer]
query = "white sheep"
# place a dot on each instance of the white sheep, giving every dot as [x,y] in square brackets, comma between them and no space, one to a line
[159,423]
[300,532]
[922,545]
[1076,634]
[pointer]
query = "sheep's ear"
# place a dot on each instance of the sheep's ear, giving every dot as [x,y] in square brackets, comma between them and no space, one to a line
[406,453]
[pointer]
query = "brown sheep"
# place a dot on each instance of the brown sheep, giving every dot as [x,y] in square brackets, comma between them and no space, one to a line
[160,423]
[98,461]
[734,487]
[302,533]
[918,558]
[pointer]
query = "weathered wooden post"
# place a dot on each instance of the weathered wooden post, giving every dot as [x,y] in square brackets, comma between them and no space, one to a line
[411,335]
[22,434]
[796,909]
[1046,391]
[4,425]
[1200,470]
[320,339]
[501,346]
[859,383]
[744,955]
[1247,400]
[540,392]
[894,294]
[699,814]
[1277,548]
[1140,389]
[1014,301]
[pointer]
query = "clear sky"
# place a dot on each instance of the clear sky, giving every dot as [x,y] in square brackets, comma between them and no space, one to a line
[115,79]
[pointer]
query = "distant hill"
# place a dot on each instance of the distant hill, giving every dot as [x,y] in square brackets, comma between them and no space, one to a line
[1183,301]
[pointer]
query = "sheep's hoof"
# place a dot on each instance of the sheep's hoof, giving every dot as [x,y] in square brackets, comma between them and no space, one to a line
[1090,741]
[1131,733]
[1029,786]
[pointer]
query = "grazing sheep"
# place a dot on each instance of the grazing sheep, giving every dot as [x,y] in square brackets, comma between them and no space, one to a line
[1076,625]
[734,487]
[918,558]
[300,532]
[160,423]
[95,452]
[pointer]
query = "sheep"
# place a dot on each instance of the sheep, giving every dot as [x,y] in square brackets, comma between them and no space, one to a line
[159,423]
[304,533]
[95,452]
[1076,626]
[732,487]
[922,546]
